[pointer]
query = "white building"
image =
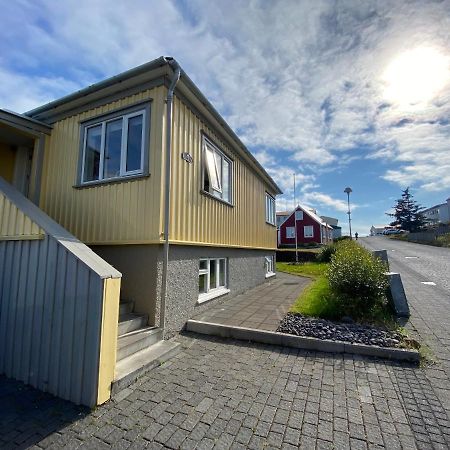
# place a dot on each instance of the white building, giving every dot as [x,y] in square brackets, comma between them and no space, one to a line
[438,213]
[376,230]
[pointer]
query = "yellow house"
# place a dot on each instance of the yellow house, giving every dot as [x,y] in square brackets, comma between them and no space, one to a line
[133,188]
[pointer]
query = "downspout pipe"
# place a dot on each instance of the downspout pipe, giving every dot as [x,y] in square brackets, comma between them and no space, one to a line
[169,105]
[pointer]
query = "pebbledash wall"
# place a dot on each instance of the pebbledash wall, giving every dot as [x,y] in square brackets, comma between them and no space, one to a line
[246,269]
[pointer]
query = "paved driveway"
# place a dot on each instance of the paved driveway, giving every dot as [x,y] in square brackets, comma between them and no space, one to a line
[230,394]
[262,307]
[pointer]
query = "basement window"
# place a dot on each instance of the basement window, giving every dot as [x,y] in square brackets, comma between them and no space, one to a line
[212,278]
[115,146]
[217,171]
[270,266]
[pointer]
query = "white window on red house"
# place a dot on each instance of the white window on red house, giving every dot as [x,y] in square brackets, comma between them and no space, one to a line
[308,231]
[298,215]
[290,232]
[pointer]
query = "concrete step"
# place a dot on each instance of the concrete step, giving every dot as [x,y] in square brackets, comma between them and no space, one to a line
[130,322]
[137,340]
[126,306]
[129,369]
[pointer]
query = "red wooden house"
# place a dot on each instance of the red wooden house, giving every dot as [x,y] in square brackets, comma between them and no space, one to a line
[310,229]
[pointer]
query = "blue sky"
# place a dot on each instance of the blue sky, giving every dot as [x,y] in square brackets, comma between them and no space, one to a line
[341,93]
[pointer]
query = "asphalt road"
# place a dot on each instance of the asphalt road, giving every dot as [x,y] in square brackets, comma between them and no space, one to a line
[425,262]
[429,303]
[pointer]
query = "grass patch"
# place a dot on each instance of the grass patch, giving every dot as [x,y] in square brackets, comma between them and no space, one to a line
[308,269]
[316,301]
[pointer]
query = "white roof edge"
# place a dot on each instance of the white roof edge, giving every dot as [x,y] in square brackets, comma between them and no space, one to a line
[81,251]
[311,214]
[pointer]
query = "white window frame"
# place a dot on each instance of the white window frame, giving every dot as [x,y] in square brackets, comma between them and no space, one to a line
[270,266]
[270,209]
[298,215]
[215,174]
[290,230]
[125,116]
[312,231]
[217,290]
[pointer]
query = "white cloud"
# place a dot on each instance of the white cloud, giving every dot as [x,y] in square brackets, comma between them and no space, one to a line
[300,81]
[325,200]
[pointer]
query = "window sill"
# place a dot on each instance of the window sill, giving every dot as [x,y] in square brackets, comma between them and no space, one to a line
[271,224]
[270,274]
[89,184]
[208,194]
[212,294]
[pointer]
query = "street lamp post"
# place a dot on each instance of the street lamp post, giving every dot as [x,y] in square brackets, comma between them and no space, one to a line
[347,190]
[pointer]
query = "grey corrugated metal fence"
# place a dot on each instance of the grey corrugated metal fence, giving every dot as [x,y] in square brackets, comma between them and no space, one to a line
[51,303]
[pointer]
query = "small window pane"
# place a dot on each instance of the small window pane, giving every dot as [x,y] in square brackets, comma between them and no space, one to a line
[203,264]
[92,153]
[134,150]
[212,274]
[113,146]
[222,272]
[202,283]
[290,232]
[226,181]
[298,215]
[211,168]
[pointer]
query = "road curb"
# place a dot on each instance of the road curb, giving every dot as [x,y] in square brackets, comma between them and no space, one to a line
[307,343]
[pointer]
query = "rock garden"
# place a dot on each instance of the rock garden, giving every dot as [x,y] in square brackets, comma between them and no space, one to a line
[348,299]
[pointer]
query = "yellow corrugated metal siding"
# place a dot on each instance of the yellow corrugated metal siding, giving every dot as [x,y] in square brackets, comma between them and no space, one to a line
[195,217]
[127,211]
[14,224]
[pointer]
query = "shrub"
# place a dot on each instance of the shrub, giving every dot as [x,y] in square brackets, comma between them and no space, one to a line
[357,277]
[326,253]
[443,241]
[341,238]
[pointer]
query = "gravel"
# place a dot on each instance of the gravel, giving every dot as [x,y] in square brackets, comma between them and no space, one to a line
[299,325]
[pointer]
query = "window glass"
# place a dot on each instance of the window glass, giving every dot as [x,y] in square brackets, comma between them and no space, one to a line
[213,174]
[290,232]
[222,272]
[212,274]
[269,264]
[202,283]
[113,149]
[92,154]
[308,231]
[134,148]
[217,172]
[270,209]
[226,181]
[298,215]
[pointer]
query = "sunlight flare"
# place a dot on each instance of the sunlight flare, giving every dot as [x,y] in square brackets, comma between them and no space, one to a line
[416,76]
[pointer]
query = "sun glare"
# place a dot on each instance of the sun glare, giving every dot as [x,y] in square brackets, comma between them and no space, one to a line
[416,76]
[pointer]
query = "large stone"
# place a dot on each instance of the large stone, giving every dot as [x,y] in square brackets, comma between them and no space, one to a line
[398,296]
[382,254]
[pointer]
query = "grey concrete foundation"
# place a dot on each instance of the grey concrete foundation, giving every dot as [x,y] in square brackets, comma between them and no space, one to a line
[246,269]
[141,267]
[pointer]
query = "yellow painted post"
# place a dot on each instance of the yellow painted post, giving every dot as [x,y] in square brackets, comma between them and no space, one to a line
[108,339]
